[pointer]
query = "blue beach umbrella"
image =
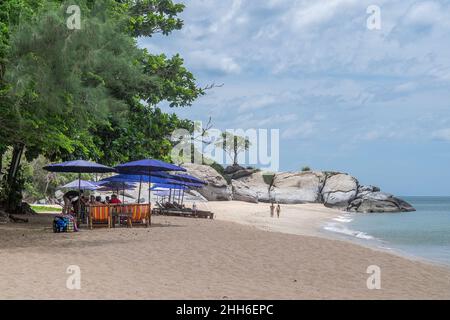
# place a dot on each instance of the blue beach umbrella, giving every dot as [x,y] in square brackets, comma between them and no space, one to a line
[188,178]
[79,166]
[183,183]
[115,184]
[82,184]
[167,186]
[170,187]
[146,167]
[186,184]
[131,178]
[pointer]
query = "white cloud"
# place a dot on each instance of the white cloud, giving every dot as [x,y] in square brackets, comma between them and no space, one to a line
[303,130]
[426,14]
[310,67]
[312,14]
[443,134]
[257,102]
[227,17]
[214,61]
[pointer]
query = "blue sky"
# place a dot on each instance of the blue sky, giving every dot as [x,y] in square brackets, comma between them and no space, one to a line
[373,103]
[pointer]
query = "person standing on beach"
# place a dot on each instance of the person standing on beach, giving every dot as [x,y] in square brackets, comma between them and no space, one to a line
[68,199]
[272,209]
[194,207]
[278,210]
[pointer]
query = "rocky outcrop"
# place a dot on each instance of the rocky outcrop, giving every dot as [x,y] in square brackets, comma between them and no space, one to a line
[238,172]
[243,192]
[333,189]
[339,190]
[364,190]
[375,201]
[217,188]
[251,188]
[297,187]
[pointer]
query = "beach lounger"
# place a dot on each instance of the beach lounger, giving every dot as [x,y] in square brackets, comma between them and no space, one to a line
[189,213]
[205,214]
[158,210]
[99,216]
[139,214]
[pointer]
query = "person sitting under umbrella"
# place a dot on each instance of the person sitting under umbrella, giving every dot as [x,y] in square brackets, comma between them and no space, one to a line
[115,199]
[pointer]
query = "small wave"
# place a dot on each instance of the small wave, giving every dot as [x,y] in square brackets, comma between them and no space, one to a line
[343,219]
[333,227]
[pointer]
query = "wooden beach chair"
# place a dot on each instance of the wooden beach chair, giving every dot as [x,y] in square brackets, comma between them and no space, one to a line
[99,215]
[139,214]
[205,214]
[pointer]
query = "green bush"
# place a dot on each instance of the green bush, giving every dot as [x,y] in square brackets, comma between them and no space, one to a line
[221,170]
[268,178]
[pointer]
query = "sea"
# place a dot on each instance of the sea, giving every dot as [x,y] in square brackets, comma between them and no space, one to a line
[423,234]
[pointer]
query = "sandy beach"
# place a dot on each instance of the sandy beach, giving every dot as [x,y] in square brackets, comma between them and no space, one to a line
[299,219]
[183,258]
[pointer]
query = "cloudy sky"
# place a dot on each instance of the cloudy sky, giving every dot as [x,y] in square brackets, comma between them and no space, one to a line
[373,103]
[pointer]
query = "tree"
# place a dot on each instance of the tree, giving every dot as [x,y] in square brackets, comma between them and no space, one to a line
[233,145]
[89,93]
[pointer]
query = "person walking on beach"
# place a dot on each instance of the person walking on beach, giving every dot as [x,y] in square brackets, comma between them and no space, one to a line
[272,209]
[278,210]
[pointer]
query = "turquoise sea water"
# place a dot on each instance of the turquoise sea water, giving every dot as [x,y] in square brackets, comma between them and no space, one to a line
[424,233]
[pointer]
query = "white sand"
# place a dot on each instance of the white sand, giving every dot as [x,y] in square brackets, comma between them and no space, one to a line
[300,219]
[183,258]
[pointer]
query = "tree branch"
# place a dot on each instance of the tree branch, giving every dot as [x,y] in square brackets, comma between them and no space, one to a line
[212,86]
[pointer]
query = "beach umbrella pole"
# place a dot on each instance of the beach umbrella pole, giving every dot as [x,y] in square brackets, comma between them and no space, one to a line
[150,195]
[79,195]
[140,187]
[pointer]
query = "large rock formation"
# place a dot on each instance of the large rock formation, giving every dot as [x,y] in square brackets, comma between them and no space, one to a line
[333,189]
[217,188]
[339,190]
[251,188]
[370,199]
[297,187]
[237,172]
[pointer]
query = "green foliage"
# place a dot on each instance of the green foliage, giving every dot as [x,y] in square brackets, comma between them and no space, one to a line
[88,93]
[233,145]
[51,71]
[148,17]
[221,170]
[39,209]
[41,184]
[171,81]
[268,178]
[306,169]
[144,133]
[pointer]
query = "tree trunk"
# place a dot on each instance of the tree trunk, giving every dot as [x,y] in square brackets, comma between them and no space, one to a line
[14,190]
[15,163]
[1,165]
[235,150]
